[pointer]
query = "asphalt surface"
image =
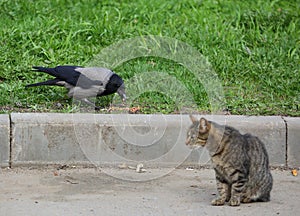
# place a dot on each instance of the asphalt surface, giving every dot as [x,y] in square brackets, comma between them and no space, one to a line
[123,191]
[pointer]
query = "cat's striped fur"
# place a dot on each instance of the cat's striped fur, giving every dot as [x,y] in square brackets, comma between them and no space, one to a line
[240,162]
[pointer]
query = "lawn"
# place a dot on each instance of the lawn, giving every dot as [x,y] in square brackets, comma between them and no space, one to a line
[253,47]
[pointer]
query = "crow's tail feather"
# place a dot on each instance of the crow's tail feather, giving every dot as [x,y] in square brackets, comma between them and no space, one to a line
[48,82]
[50,71]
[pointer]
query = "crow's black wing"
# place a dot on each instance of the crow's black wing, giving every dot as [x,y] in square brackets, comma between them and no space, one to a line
[66,73]
[70,75]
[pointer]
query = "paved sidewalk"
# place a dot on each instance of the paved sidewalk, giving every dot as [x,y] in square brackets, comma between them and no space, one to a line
[78,191]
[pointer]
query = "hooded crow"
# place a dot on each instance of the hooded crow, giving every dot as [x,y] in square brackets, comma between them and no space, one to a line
[84,82]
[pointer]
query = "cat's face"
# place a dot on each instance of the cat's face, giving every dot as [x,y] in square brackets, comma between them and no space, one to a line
[198,132]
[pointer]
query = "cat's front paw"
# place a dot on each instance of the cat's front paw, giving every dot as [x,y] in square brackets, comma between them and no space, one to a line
[234,202]
[218,202]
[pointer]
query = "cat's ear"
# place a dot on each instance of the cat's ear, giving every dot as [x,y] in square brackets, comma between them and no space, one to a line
[193,118]
[204,125]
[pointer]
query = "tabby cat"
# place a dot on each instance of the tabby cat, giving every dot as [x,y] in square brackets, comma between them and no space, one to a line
[240,162]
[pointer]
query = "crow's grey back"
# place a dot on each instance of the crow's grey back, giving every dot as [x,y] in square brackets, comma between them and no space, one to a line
[96,73]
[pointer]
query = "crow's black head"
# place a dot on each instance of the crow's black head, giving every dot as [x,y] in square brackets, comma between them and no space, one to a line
[115,84]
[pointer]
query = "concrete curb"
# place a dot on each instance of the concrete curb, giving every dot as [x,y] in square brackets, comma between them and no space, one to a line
[4,140]
[293,141]
[33,139]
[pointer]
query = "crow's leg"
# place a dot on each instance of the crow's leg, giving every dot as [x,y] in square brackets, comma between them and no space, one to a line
[85,100]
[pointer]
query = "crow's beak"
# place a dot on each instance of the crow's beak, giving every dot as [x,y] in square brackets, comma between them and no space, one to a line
[121,92]
[123,97]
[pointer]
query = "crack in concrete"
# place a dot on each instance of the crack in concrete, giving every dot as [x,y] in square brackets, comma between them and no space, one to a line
[286,141]
[10,141]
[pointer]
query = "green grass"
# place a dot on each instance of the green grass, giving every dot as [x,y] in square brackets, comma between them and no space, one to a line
[253,46]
